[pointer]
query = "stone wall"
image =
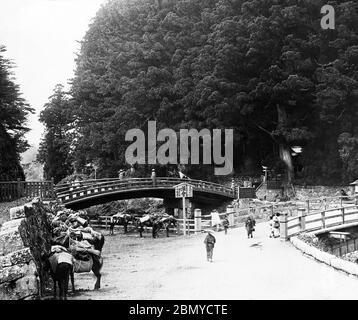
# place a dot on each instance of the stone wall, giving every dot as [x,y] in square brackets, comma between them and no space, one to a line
[23,241]
[263,193]
[303,193]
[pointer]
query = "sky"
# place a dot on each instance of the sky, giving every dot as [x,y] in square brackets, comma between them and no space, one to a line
[41,37]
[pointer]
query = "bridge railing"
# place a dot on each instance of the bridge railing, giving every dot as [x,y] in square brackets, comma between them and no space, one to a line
[291,226]
[295,208]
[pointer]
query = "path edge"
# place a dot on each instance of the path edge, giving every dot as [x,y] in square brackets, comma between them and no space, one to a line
[327,258]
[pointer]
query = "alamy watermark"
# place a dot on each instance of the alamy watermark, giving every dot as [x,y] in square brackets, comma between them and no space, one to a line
[328,20]
[167,153]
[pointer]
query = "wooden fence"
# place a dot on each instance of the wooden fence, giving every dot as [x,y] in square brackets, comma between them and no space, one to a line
[192,225]
[12,190]
[104,222]
[309,215]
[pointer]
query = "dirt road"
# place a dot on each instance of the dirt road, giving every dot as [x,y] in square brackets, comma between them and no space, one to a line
[176,268]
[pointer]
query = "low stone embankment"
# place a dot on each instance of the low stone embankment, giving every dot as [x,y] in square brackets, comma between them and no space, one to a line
[304,193]
[325,257]
[23,241]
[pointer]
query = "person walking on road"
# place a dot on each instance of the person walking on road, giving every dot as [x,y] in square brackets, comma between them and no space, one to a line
[276,225]
[272,230]
[250,226]
[226,224]
[209,243]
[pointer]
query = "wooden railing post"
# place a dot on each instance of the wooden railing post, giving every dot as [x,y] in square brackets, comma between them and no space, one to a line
[197,220]
[325,203]
[283,227]
[230,213]
[343,219]
[19,193]
[341,198]
[53,194]
[154,177]
[308,206]
[323,217]
[302,219]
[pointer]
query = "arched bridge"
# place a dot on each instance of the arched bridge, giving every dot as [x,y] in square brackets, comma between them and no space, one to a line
[83,194]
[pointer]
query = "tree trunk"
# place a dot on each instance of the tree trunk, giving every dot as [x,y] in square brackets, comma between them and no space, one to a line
[284,149]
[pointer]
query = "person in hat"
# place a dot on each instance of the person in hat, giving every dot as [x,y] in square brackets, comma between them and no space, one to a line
[276,225]
[209,243]
[271,223]
[226,224]
[250,226]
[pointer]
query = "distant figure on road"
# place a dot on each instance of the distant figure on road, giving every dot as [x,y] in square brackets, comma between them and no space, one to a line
[276,225]
[209,243]
[226,224]
[250,226]
[215,219]
[272,229]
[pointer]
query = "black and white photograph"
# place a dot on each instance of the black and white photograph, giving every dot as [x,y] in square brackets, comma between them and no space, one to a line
[182,150]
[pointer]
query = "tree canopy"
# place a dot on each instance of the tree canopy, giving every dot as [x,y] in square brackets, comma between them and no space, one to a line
[13,116]
[265,68]
[55,151]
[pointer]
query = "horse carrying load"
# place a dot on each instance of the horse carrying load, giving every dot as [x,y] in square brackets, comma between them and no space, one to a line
[141,219]
[71,234]
[157,222]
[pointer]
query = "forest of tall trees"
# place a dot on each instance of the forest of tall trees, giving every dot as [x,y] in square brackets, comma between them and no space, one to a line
[13,116]
[264,68]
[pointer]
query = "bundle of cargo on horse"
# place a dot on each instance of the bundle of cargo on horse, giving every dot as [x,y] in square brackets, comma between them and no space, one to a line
[73,237]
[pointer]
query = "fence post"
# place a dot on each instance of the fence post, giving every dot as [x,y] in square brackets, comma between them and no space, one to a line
[323,217]
[302,218]
[308,206]
[341,198]
[154,176]
[18,188]
[343,220]
[283,227]
[53,195]
[325,203]
[347,243]
[197,220]
[230,212]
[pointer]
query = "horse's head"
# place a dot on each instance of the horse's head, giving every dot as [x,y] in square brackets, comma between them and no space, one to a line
[167,221]
[173,221]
